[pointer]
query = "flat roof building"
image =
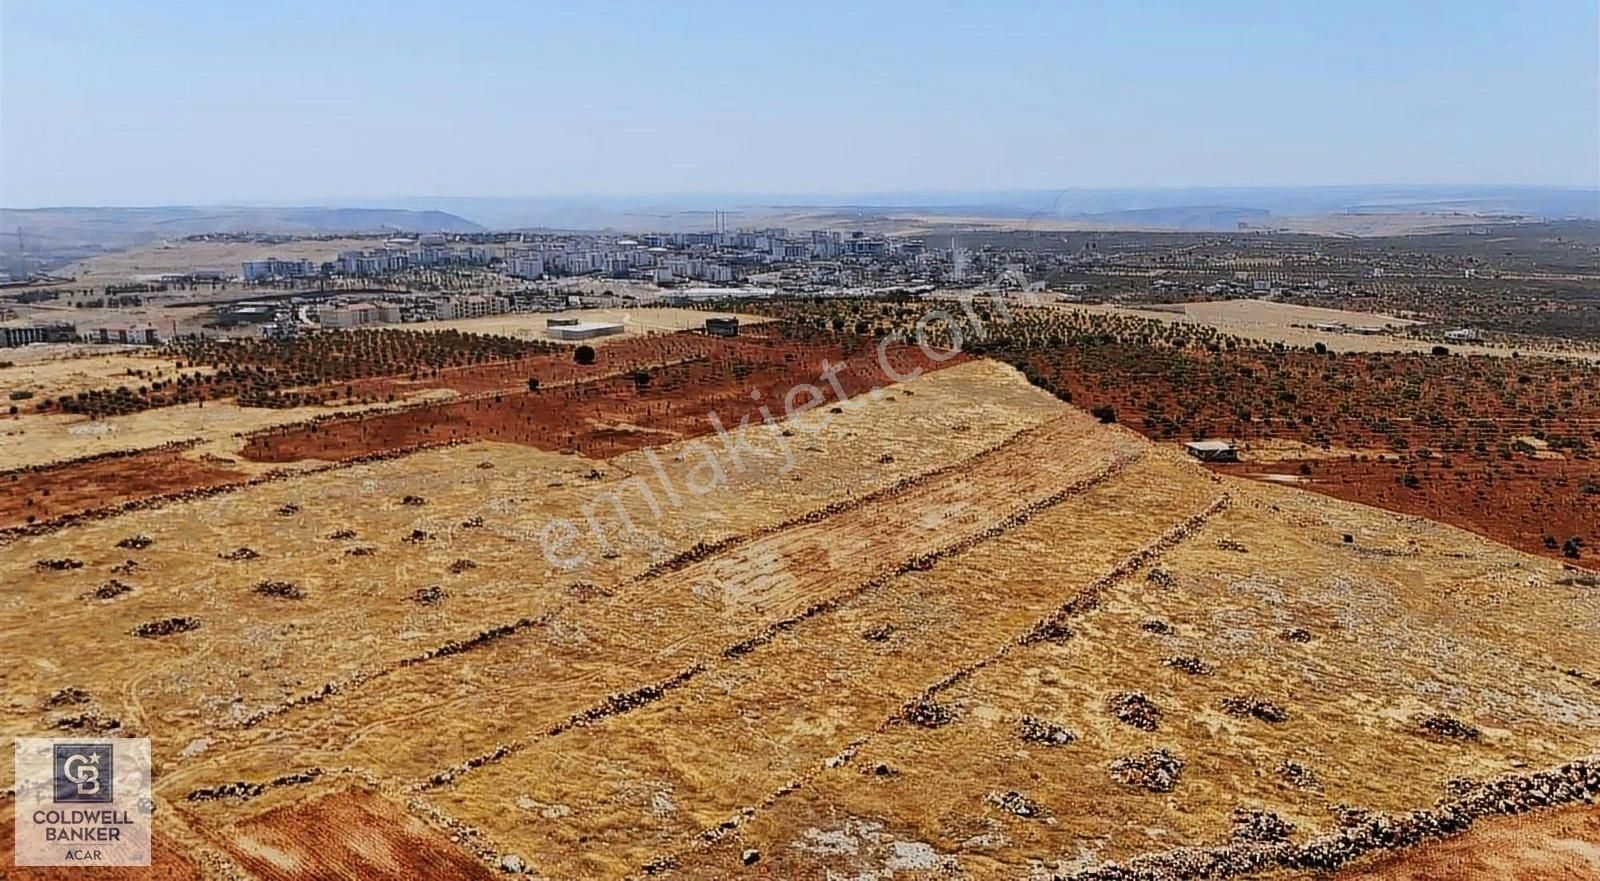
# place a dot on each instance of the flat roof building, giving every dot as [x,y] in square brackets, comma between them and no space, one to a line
[1212,451]
[722,326]
[584,330]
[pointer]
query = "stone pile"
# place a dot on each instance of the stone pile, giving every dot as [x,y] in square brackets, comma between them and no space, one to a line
[1160,577]
[1443,727]
[166,627]
[1189,664]
[1298,775]
[461,566]
[280,589]
[86,722]
[1251,707]
[1035,730]
[1134,708]
[879,633]
[1053,630]
[1157,770]
[58,565]
[431,595]
[110,590]
[136,542]
[70,696]
[1014,802]
[1256,825]
[929,713]
[239,554]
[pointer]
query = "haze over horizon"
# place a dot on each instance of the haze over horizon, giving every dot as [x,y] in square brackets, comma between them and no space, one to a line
[361,102]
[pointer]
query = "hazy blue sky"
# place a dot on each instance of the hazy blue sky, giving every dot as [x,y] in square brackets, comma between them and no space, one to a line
[161,102]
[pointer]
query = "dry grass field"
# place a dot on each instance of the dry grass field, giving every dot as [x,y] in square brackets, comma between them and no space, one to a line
[956,628]
[635,322]
[185,256]
[1294,325]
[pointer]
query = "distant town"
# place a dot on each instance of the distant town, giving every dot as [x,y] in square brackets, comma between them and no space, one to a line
[294,284]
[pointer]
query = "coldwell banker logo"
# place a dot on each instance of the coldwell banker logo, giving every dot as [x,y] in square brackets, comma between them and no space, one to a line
[85,773]
[83,803]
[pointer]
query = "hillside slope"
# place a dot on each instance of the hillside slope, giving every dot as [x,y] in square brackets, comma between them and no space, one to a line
[967,629]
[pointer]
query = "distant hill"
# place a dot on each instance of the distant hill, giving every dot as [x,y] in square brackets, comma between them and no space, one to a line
[59,235]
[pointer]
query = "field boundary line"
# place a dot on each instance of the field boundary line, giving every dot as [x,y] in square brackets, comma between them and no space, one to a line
[675,564]
[618,704]
[1086,599]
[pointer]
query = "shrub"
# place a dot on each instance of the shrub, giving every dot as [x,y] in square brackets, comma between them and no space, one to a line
[1572,548]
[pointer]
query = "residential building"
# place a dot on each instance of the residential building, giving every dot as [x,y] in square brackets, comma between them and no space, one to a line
[16,333]
[353,315]
[273,268]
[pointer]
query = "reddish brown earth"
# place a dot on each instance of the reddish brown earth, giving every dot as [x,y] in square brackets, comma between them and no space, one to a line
[1530,504]
[1423,410]
[79,486]
[352,834]
[1554,845]
[599,410]
[733,379]
[627,354]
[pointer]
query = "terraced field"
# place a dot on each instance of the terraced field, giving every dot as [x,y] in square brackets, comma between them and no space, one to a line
[954,628]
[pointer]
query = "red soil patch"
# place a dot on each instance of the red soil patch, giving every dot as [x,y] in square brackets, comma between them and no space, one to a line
[1554,845]
[78,486]
[166,862]
[1534,505]
[627,354]
[733,379]
[352,834]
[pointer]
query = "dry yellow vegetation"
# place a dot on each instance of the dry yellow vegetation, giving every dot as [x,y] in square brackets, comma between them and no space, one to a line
[905,650]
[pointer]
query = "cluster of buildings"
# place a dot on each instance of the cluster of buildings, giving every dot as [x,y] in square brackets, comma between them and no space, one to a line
[720,257]
[429,252]
[273,268]
[394,255]
[24,333]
